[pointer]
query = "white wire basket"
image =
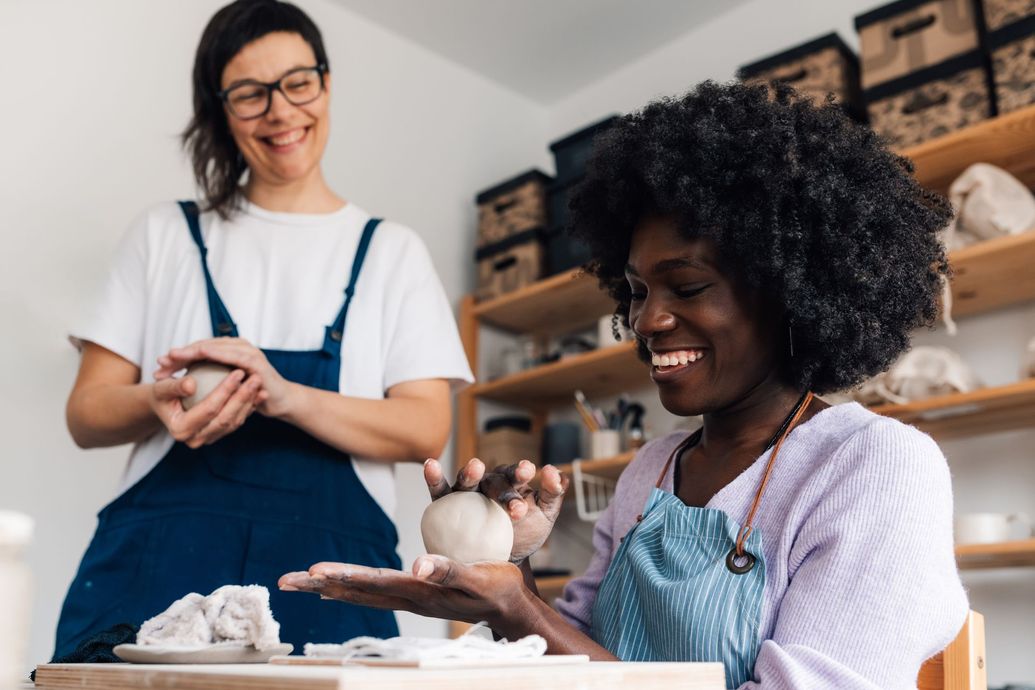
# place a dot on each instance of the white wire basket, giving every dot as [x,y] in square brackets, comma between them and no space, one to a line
[592,493]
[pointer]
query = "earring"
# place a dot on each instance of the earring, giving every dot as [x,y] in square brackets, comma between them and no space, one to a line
[790,339]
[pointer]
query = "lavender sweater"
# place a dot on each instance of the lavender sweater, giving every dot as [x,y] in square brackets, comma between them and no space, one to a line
[856,525]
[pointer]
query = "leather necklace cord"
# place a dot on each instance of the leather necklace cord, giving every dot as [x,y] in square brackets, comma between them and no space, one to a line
[795,417]
[775,443]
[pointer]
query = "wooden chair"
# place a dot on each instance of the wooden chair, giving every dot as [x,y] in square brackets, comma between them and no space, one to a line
[961,665]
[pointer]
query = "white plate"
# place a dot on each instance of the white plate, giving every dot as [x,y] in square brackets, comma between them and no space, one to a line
[224,653]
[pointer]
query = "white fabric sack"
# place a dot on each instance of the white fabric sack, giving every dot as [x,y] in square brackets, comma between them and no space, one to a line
[923,372]
[989,203]
[467,646]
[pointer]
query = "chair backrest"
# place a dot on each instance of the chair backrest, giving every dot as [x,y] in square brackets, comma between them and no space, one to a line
[961,665]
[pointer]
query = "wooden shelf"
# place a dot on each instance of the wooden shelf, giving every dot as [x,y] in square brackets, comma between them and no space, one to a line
[1007,141]
[551,587]
[993,274]
[1009,554]
[563,303]
[1000,408]
[609,468]
[598,373]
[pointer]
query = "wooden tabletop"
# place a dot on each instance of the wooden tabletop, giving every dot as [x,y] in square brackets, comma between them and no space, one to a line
[592,675]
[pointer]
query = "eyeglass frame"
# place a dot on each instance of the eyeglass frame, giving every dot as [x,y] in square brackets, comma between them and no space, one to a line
[270,87]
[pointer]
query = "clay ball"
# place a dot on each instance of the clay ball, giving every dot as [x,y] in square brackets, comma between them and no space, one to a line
[467,527]
[207,376]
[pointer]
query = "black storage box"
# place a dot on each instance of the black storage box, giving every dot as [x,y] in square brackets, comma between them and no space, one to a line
[820,66]
[571,152]
[563,252]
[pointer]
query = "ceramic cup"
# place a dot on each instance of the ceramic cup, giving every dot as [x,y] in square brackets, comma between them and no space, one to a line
[990,528]
[605,443]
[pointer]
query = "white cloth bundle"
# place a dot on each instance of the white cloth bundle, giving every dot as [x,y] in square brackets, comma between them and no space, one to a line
[467,646]
[923,372]
[989,203]
[230,615]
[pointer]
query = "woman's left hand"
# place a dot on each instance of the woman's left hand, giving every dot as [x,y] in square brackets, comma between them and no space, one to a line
[274,400]
[492,591]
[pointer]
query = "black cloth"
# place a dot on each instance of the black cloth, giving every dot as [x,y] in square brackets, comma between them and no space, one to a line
[98,649]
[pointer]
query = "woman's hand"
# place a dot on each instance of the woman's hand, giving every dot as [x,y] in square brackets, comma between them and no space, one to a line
[438,587]
[275,396]
[221,412]
[532,512]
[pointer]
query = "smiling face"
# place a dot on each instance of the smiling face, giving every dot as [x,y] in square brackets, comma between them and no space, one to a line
[712,340]
[286,144]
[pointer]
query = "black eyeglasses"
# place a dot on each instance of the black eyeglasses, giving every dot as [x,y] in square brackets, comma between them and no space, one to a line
[251,99]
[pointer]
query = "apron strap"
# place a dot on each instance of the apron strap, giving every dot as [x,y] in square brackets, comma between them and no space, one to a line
[745,529]
[222,324]
[333,334]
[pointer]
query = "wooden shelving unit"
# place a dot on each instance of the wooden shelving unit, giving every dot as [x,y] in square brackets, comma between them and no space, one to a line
[609,468]
[1010,554]
[551,587]
[993,274]
[988,410]
[563,303]
[598,373]
[1007,141]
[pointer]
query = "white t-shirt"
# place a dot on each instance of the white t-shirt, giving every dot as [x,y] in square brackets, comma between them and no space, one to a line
[282,276]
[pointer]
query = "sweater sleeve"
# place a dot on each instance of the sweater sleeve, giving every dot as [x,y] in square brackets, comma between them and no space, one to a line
[874,589]
[576,603]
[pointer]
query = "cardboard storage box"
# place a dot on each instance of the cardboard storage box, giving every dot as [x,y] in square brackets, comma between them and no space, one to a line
[1000,13]
[512,207]
[571,152]
[506,446]
[932,102]
[511,264]
[816,68]
[1013,64]
[907,36]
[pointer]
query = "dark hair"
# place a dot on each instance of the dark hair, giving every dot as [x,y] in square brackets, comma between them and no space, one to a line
[802,202]
[217,163]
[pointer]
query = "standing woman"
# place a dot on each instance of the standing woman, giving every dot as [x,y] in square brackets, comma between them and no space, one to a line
[338,331]
[763,251]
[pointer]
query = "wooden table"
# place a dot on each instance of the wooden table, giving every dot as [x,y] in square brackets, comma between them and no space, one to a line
[587,676]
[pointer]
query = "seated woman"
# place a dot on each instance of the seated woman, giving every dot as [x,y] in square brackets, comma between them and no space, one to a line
[764,250]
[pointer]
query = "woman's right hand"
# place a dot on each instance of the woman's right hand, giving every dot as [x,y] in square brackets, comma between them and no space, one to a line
[221,412]
[532,512]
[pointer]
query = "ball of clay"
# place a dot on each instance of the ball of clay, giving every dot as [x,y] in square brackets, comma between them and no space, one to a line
[467,527]
[207,376]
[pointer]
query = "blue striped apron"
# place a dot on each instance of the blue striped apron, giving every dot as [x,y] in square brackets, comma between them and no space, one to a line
[686,583]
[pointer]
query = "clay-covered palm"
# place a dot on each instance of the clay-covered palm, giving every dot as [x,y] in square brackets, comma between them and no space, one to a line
[532,512]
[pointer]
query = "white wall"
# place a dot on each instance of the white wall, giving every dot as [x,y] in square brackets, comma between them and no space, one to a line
[990,473]
[94,95]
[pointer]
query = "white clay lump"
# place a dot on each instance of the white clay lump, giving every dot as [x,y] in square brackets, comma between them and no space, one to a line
[467,527]
[232,614]
[207,377]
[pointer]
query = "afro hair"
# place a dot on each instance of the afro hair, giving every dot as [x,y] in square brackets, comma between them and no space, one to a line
[803,203]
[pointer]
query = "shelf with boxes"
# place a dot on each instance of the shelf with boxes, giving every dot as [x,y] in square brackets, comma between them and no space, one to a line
[925,68]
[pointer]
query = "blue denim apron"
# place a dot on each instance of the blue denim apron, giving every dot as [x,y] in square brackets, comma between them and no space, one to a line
[262,501]
[686,583]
